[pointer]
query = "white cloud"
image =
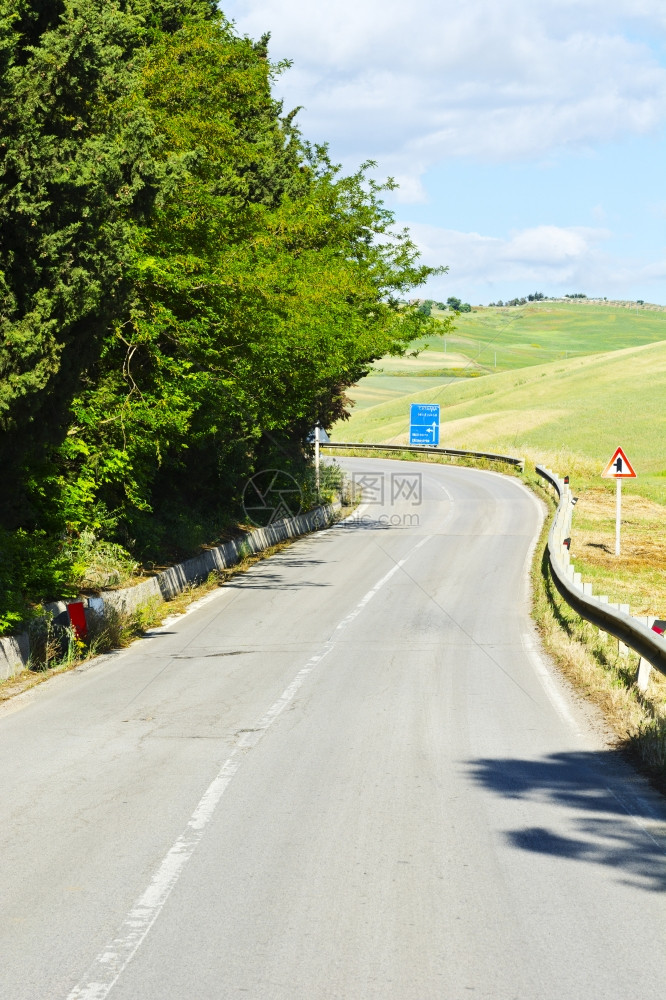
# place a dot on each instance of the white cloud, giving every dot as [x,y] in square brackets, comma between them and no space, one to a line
[489,81]
[545,258]
[553,252]
[413,84]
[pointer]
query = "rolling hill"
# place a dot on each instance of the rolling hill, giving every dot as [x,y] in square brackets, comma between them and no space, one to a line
[563,412]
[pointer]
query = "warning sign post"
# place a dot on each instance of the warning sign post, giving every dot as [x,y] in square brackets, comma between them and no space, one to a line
[618,468]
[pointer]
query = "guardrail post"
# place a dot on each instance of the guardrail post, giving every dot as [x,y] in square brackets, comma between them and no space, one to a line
[644,666]
[603,599]
[622,648]
[643,675]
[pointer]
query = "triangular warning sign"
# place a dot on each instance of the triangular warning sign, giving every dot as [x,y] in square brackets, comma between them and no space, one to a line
[619,467]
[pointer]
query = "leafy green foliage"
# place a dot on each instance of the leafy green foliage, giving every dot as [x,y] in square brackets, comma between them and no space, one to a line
[76,165]
[187,284]
[30,564]
[264,284]
[458,306]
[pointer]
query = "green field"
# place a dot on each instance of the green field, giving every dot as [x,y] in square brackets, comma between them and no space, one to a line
[570,414]
[380,389]
[547,331]
[487,341]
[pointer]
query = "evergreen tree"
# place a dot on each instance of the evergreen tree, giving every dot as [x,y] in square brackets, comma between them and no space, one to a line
[265,284]
[78,166]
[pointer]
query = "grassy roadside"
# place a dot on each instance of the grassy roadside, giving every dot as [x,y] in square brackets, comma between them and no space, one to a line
[591,662]
[120,630]
[408,456]
[637,576]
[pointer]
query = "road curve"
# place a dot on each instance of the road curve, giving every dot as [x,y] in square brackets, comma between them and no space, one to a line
[348,775]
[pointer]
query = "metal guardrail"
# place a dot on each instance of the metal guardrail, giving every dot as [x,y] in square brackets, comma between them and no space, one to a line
[649,645]
[633,633]
[426,450]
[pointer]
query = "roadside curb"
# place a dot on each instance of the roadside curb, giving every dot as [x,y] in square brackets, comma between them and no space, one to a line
[15,650]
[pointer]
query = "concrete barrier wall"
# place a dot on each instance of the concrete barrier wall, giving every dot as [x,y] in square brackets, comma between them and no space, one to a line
[15,650]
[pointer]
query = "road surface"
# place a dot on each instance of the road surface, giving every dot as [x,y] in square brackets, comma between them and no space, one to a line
[348,774]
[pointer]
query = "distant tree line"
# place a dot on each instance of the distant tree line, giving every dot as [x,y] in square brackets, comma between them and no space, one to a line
[532,297]
[425,306]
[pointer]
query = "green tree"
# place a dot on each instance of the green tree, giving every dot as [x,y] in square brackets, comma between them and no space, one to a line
[187,285]
[265,284]
[79,166]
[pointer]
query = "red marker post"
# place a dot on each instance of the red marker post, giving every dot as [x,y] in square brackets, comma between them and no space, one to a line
[618,468]
[77,619]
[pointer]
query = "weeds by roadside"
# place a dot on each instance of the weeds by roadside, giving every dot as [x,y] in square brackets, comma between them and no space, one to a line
[493,465]
[56,649]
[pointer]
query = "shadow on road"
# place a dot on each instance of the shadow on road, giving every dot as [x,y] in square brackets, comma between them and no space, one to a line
[274,579]
[602,831]
[367,523]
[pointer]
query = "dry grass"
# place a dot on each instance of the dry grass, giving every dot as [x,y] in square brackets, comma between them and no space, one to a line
[637,576]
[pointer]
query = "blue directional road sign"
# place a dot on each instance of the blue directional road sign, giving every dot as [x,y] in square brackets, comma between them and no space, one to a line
[424,423]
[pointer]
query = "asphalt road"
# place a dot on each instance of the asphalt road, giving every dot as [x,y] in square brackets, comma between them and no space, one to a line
[347,774]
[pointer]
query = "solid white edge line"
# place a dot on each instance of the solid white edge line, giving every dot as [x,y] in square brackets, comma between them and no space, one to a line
[543,671]
[112,961]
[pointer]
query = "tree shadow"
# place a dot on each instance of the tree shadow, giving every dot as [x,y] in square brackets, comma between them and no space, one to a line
[273,579]
[605,830]
[363,523]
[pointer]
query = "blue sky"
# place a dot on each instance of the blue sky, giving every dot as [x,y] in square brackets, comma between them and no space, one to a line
[528,136]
